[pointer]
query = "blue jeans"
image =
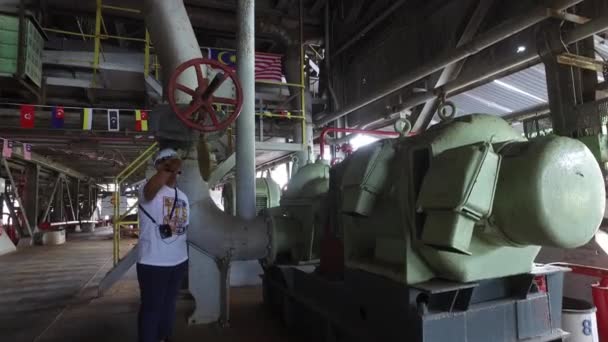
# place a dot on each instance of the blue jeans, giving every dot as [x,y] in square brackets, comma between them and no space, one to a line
[158,287]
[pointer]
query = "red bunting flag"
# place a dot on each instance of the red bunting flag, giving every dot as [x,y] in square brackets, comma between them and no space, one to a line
[141,120]
[27,116]
[57,115]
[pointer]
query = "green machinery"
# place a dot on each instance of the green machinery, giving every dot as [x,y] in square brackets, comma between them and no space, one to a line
[297,224]
[267,195]
[468,200]
[10,41]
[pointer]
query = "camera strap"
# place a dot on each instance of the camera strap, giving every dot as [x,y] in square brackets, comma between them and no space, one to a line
[170,214]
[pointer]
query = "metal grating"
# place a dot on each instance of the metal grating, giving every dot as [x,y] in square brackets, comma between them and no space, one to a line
[539,126]
[591,117]
[261,203]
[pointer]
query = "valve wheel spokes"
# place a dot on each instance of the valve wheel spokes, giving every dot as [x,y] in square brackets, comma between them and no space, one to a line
[203,97]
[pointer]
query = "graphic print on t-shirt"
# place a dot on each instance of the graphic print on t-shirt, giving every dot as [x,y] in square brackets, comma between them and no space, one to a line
[180,215]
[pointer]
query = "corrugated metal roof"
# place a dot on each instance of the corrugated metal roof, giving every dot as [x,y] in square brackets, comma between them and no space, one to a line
[516,92]
[509,94]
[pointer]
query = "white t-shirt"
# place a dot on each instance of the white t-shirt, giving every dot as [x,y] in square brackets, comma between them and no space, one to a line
[152,249]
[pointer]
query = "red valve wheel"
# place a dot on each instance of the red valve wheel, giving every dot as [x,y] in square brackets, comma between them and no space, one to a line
[202,112]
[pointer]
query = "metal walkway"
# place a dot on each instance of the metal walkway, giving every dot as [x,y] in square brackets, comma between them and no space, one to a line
[37,283]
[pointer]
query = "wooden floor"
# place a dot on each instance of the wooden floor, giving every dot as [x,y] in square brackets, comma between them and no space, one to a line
[49,294]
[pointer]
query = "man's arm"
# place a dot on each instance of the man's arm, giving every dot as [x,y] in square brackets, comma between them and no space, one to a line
[161,177]
[155,183]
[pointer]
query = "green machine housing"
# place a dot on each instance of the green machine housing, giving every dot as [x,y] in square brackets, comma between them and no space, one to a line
[267,195]
[468,200]
[297,225]
[33,41]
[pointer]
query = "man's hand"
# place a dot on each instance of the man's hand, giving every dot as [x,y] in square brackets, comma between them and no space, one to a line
[172,165]
[166,170]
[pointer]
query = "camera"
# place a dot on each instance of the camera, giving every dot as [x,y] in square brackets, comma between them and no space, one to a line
[165,231]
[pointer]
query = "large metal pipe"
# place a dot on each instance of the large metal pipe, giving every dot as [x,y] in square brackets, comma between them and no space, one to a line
[174,39]
[220,232]
[520,62]
[245,125]
[222,236]
[489,38]
[327,42]
[527,113]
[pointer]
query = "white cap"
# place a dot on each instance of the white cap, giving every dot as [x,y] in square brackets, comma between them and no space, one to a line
[165,153]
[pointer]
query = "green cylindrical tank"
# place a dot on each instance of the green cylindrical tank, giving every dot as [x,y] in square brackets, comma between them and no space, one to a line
[549,193]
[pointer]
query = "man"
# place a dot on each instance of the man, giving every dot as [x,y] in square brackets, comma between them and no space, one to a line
[163,255]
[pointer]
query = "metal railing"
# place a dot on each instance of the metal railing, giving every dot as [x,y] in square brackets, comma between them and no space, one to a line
[118,219]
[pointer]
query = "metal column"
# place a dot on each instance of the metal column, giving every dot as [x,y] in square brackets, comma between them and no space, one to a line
[245,126]
[31,194]
[17,198]
[51,199]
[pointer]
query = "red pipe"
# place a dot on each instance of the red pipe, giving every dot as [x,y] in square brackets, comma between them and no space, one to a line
[599,292]
[350,130]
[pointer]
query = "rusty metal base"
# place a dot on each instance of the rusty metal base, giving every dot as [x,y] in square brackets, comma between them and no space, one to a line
[367,307]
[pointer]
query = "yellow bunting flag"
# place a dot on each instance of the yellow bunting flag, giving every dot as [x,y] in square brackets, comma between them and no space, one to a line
[87,119]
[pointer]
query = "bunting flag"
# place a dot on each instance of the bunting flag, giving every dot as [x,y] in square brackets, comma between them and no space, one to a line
[27,116]
[141,120]
[27,151]
[268,67]
[87,119]
[57,115]
[7,148]
[113,120]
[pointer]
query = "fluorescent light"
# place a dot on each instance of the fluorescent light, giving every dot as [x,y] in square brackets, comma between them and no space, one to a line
[362,140]
[517,90]
[521,49]
[487,103]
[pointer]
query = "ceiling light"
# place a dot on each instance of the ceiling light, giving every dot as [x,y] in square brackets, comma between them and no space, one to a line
[521,49]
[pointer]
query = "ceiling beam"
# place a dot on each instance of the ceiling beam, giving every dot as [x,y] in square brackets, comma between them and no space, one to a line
[46,163]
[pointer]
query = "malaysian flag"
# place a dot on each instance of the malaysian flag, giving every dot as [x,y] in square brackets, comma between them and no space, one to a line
[268,66]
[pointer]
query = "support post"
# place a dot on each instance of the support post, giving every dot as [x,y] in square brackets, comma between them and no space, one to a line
[70,202]
[245,137]
[51,198]
[31,194]
[59,205]
[17,198]
[567,86]
[147,55]
[97,47]
[77,199]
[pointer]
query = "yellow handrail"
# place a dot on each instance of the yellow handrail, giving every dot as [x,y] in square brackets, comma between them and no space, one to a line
[121,177]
